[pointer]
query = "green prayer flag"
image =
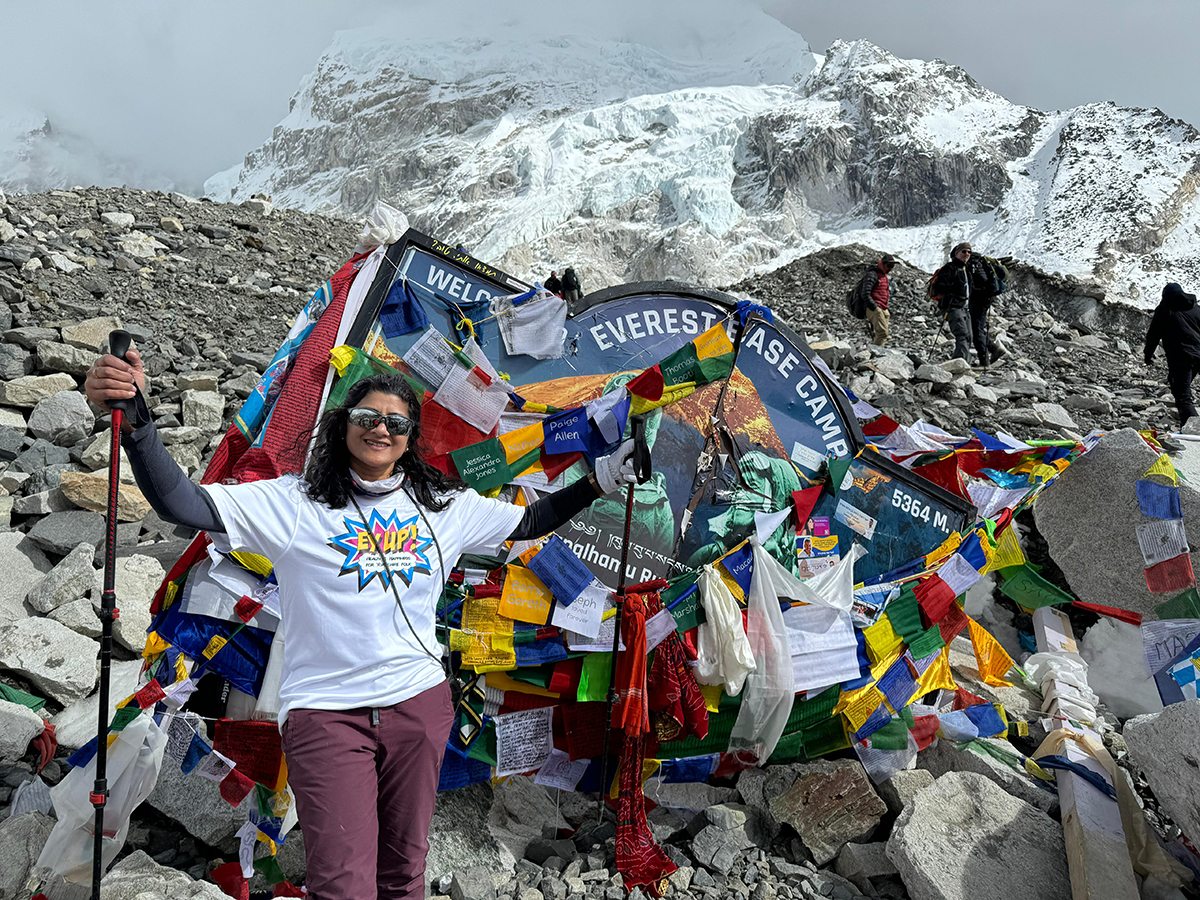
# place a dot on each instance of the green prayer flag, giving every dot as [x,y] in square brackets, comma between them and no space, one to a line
[1030,590]
[124,716]
[714,368]
[262,797]
[837,474]
[538,676]
[907,716]
[928,643]
[593,677]
[720,726]
[892,736]
[690,612]
[12,695]
[905,615]
[681,366]
[789,747]
[362,366]
[268,867]
[824,738]
[812,711]
[1181,606]
[484,465]
[483,748]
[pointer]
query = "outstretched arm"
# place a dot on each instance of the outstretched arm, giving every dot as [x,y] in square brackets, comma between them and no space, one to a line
[552,512]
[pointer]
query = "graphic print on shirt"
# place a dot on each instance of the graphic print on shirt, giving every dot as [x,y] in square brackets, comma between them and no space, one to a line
[402,546]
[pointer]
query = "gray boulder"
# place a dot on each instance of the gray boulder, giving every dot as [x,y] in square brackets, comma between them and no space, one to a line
[945,757]
[59,662]
[830,803]
[12,442]
[90,333]
[80,616]
[460,837]
[14,362]
[1163,745]
[24,566]
[61,532]
[899,790]
[196,804]
[963,835]
[70,580]
[138,877]
[137,580]
[64,419]
[38,455]
[55,357]
[18,726]
[1102,562]
[204,409]
[895,366]
[21,841]
[717,845]
[30,390]
[42,503]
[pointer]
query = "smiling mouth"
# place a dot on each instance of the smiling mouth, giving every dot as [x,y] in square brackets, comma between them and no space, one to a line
[379,445]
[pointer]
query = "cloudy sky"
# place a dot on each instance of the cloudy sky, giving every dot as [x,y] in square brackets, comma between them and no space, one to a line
[177,91]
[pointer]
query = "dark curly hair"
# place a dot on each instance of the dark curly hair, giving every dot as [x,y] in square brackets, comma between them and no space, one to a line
[328,471]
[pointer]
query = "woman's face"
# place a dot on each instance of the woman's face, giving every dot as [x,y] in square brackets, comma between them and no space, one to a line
[374,451]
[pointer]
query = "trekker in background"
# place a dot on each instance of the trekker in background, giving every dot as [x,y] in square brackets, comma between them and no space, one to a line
[1176,325]
[951,287]
[572,291]
[880,292]
[552,284]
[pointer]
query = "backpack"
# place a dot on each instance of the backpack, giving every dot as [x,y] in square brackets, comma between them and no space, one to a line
[997,274]
[858,296]
[931,291]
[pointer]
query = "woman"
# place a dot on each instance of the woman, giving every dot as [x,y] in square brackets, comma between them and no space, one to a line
[365,704]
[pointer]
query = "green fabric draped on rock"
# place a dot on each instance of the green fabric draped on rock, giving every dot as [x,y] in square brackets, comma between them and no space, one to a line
[1030,590]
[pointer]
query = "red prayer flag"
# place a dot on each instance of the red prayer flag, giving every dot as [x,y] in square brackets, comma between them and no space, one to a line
[924,730]
[945,473]
[556,463]
[253,746]
[247,608]
[1113,612]
[1174,574]
[584,724]
[149,695]
[936,597]
[881,427]
[648,385]
[287,889]
[565,677]
[805,501]
[442,431]
[952,623]
[46,744]
[235,787]
[229,879]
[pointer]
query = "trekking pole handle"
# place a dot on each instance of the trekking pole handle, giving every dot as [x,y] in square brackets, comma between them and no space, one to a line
[641,449]
[118,345]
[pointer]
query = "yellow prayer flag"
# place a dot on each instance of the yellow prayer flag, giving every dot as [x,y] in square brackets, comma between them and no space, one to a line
[214,646]
[518,443]
[1164,468]
[944,551]
[938,675]
[340,357]
[270,843]
[712,696]
[169,596]
[257,564]
[502,643]
[524,597]
[459,642]
[1007,552]
[1043,472]
[992,659]
[502,681]
[181,667]
[480,621]
[882,639]
[714,342]
[639,405]
[154,645]
[863,702]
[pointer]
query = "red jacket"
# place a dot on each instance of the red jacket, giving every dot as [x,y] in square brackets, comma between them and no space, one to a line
[881,293]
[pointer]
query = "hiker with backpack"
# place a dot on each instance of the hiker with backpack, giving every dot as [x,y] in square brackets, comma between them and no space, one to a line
[869,299]
[552,284]
[964,289]
[572,291]
[1176,325]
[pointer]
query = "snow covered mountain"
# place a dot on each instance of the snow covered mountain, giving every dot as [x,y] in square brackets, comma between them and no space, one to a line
[631,163]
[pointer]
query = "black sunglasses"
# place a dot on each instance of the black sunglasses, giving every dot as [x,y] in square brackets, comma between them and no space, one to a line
[369,419]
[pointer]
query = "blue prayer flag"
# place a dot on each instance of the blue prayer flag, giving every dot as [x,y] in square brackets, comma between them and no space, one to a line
[688,769]
[84,754]
[878,719]
[989,442]
[459,771]
[561,570]
[898,684]
[740,565]
[402,312]
[1006,480]
[568,432]
[1159,501]
[196,751]
[971,549]
[986,719]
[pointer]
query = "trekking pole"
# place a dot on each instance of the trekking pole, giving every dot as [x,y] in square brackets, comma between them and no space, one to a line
[118,345]
[641,466]
[945,316]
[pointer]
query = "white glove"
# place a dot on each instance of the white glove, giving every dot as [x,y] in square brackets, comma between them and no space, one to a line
[615,471]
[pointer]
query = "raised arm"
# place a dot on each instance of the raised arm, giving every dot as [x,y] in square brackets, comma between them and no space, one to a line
[171,494]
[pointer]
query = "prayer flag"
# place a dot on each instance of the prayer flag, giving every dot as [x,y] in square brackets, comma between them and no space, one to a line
[567,432]
[714,353]
[520,442]
[935,597]
[882,639]
[196,752]
[805,501]
[640,405]
[1160,501]
[609,413]
[1163,468]
[561,570]
[524,598]
[1171,575]
[905,615]
[648,385]
[149,695]
[1181,606]
[953,623]
[1030,590]
[254,746]
[1008,551]
[681,366]
[992,659]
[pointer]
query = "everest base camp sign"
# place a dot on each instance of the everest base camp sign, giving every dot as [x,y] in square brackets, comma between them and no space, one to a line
[781,414]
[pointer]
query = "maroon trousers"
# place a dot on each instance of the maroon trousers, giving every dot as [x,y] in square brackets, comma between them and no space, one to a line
[365,782]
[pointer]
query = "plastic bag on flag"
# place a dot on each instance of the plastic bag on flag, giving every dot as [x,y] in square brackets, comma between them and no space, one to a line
[384,226]
[532,325]
[134,761]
